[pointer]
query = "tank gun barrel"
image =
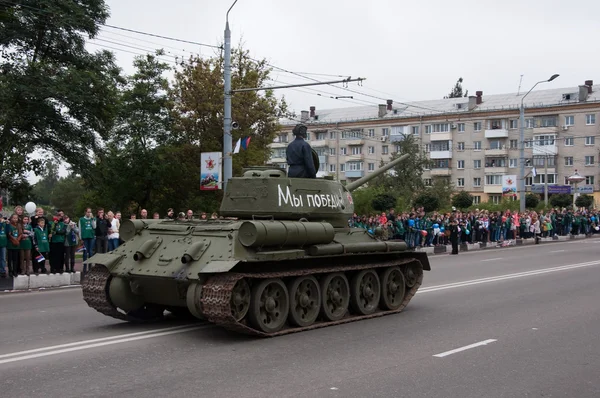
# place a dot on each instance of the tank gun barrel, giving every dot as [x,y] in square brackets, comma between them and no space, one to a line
[361,181]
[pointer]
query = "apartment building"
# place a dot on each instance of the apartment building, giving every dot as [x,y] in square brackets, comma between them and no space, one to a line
[472,141]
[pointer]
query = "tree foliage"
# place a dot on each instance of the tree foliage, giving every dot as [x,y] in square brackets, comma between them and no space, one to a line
[67,195]
[428,200]
[561,200]
[457,90]
[532,200]
[584,201]
[383,202]
[462,200]
[56,96]
[42,190]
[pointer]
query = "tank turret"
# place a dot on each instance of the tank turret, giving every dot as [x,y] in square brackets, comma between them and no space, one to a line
[270,194]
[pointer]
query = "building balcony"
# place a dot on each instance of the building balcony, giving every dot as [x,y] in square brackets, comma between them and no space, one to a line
[319,143]
[353,141]
[441,172]
[277,159]
[323,159]
[496,133]
[496,170]
[397,137]
[492,189]
[440,154]
[276,145]
[354,158]
[354,173]
[445,136]
[544,150]
[496,151]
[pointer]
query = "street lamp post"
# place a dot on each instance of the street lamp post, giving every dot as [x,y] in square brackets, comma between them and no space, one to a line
[522,145]
[576,178]
[227,139]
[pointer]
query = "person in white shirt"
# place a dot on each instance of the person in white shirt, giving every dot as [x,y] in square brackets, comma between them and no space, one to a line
[113,231]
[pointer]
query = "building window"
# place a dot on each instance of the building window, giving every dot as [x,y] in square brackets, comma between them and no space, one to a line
[528,181]
[495,199]
[385,131]
[540,179]
[529,123]
[538,161]
[477,126]
[590,140]
[371,133]
[512,163]
[384,150]
[427,148]
[371,166]
[460,164]
[356,150]
[415,130]
[461,127]
[496,144]
[354,166]
[477,181]
[332,168]
[460,182]
[513,144]
[568,160]
[569,141]
[513,124]
[544,140]
[477,164]
[371,150]
[589,160]
[477,145]
[589,180]
[495,124]
[441,128]
[551,161]
[343,151]
[461,146]
[332,151]
[567,182]
[493,180]
[569,120]
[427,182]
[332,135]
[548,121]
[428,129]
[476,200]
[590,119]
[342,167]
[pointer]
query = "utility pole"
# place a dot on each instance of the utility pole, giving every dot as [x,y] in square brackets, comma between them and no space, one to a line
[546,180]
[227,140]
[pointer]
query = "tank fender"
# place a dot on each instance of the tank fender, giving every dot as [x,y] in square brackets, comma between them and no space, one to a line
[422,257]
[109,260]
[147,248]
[219,266]
[194,252]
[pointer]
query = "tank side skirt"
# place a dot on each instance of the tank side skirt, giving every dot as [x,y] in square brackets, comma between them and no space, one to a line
[216,295]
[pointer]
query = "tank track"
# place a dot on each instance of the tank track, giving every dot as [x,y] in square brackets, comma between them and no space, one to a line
[95,294]
[216,296]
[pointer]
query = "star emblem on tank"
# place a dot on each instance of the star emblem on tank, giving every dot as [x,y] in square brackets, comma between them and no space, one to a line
[210,164]
[349,198]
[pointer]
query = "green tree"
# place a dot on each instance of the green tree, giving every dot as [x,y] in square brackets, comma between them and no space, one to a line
[198,97]
[66,195]
[55,96]
[584,201]
[428,200]
[457,90]
[20,191]
[442,189]
[42,189]
[383,202]
[532,200]
[363,199]
[561,200]
[462,200]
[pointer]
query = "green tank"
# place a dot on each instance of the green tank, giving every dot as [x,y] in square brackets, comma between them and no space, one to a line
[282,259]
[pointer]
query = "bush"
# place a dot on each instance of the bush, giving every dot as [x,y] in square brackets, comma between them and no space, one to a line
[384,202]
[584,201]
[462,200]
[428,201]
[561,200]
[532,201]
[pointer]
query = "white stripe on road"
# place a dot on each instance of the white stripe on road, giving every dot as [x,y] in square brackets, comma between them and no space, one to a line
[504,277]
[467,347]
[492,259]
[82,345]
[556,251]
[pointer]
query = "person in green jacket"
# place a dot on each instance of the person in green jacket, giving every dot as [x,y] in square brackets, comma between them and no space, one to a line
[26,246]
[57,234]
[71,242]
[14,231]
[3,243]
[42,246]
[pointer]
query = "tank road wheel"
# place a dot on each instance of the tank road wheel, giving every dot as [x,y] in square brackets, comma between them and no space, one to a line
[269,305]
[365,292]
[410,276]
[392,288]
[305,300]
[240,299]
[336,296]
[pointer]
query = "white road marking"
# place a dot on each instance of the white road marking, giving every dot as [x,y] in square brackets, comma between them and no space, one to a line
[492,259]
[467,347]
[333,388]
[87,344]
[504,277]
[556,251]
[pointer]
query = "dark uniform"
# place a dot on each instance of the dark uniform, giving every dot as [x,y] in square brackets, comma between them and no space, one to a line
[299,156]
[454,237]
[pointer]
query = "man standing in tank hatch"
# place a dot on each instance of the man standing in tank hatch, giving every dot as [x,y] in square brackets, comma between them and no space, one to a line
[299,155]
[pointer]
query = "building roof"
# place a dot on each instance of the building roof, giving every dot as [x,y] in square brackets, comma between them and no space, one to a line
[535,99]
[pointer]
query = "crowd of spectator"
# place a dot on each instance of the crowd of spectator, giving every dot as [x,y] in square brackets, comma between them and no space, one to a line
[27,243]
[420,229]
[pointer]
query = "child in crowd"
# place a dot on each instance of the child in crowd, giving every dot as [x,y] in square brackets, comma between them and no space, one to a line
[71,242]
[26,246]
[3,243]
[42,246]
[14,230]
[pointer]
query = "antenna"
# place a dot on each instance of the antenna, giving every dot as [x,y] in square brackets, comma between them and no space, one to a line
[519,90]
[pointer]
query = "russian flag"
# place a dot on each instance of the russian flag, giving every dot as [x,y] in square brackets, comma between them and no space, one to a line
[81,249]
[40,258]
[245,142]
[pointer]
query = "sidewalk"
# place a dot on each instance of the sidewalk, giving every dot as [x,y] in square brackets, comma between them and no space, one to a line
[50,281]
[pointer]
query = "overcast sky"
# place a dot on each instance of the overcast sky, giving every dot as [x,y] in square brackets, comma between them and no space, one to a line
[410,50]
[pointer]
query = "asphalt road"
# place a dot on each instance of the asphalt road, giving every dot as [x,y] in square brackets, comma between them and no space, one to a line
[514,322]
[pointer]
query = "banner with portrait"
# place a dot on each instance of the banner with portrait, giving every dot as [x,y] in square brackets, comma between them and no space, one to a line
[210,171]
